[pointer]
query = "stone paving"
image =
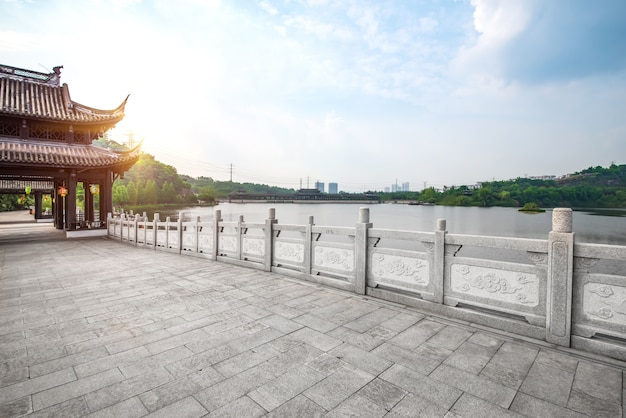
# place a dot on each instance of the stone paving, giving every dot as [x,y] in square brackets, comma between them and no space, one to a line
[93,327]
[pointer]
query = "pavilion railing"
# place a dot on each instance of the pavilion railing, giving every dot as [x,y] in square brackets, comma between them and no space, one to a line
[566,293]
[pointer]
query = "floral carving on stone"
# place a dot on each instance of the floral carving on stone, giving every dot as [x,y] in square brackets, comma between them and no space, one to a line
[205,241]
[502,285]
[290,251]
[188,240]
[228,243]
[385,266]
[334,257]
[254,246]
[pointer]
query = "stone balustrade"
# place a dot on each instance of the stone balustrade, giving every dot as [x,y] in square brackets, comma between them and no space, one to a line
[567,293]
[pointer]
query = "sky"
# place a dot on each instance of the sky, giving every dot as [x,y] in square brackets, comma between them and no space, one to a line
[362,93]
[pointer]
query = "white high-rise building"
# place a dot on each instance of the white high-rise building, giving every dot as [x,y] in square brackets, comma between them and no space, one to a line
[333,188]
[319,186]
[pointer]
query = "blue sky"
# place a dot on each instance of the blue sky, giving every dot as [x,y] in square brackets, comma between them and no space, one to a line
[362,93]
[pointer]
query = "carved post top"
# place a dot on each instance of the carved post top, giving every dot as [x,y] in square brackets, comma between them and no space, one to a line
[441,224]
[218,215]
[364,215]
[272,213]
[156,217]
[311,220]
[240,218]
[562,220]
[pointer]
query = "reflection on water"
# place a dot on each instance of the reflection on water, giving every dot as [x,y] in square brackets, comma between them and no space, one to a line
[590,226]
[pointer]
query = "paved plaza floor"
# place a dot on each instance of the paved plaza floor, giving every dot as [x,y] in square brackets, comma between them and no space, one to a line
[93,327]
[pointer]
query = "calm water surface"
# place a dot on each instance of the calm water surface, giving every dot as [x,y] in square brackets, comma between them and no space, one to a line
[589,226]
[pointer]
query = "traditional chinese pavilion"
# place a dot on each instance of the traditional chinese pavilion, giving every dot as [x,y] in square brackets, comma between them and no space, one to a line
[46,148]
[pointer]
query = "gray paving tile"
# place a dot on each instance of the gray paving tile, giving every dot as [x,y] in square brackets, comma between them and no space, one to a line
[130,408]
[228,390]
[17,407]
[185,408]
[471,357]
[534,407]
[413,405]
[599,381]
[437,392]
[180,388]
[552,384]
[510,365]
[363,341]
[475,385]
[242,407]
[37,384]
[383,393]
[281,323]
[361,359]
[75,388]
[593,406]
[147,364]
[316,339]
[357,406]
[243,361]
[276,392]
[76,407]
[337,387]
[419,363]
[469,405]
[295,357]
[417,334]
[125,389]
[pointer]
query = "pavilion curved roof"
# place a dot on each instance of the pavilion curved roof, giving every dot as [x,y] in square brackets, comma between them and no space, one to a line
[35,95]
[35,154]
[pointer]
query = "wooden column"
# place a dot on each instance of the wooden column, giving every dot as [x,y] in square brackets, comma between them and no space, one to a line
[70,202]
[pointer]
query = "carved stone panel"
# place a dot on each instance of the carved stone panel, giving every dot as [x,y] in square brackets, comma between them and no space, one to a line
[205,242]
[505,286]
[385,267]
[161,237]
[228,243]
[172,237]
[254,246]
[605,302]
[335,258]
[290,252]
[189,240]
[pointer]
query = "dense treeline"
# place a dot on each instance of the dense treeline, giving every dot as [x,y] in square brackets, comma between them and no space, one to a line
[150,182]
[593,187]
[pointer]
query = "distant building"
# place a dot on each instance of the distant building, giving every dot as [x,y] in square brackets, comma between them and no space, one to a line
[333,188]
[405,186]
[395,188]
[319,186]
[386,189]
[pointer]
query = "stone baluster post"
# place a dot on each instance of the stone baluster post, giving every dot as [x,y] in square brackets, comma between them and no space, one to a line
[155,228]
[137,217]
[438,260]
[216,234]
[308,246]
[181,216]
[269,239]
[240,233]
[360,247]
[560,277]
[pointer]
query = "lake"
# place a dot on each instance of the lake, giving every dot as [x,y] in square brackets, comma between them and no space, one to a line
[597,226]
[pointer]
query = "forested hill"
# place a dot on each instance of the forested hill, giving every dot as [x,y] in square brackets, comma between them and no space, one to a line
[152,182]
[593,187]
